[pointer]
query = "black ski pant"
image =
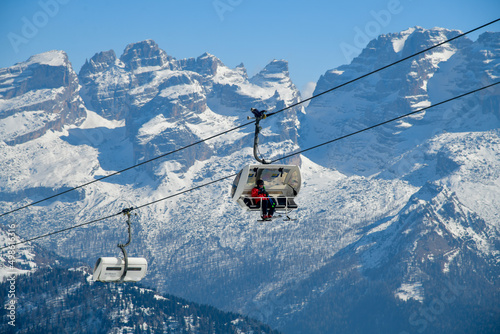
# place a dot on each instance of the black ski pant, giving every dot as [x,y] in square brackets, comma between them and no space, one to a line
[268,206]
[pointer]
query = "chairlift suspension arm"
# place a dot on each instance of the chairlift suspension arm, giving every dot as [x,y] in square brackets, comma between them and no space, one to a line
[122,246]
[127,212]
[258,116]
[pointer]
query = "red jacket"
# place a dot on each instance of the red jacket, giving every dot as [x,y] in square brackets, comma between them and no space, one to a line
[255,193]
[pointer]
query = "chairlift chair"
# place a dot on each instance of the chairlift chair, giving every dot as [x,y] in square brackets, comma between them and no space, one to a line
[119,270]
[282,182]
[111,269]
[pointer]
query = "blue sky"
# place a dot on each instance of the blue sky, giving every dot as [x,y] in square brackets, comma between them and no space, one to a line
[314,36]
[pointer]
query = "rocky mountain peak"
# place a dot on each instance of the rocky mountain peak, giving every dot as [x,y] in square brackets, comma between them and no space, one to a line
[44,96]
[276,76]
[144,54]
[391,47]
[242,70]
[275,69]
[397,90]
[99,62]
[46,70]
[206,64]
[489,38]
[50,58]
[421,39]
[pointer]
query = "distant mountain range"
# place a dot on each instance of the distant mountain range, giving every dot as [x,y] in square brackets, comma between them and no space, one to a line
[398,227]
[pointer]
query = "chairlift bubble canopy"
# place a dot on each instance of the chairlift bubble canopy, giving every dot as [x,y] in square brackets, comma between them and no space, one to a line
[282,182]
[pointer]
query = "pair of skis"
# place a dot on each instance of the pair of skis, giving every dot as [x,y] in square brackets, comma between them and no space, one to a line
[275,217]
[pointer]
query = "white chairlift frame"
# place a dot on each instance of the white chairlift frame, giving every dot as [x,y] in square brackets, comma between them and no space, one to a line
[284,189]
[111,269]
[115,269]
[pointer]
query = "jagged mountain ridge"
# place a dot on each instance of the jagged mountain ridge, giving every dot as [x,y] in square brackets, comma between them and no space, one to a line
[403,88]
[180,94]
[202,247]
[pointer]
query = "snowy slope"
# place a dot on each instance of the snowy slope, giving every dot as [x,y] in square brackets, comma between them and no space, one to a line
[15,260]
[434,251]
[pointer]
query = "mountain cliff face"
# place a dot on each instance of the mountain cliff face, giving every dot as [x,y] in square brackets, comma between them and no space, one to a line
[392,223]
[162,99]
[409,86]
[38,95]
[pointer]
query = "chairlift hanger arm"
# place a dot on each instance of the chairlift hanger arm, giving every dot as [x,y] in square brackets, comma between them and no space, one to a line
[259,114]
[125,260]
[126,212]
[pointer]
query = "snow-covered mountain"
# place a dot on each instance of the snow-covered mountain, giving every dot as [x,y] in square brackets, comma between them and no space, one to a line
[431,268]
[391,215]
[444,72]
[38,95]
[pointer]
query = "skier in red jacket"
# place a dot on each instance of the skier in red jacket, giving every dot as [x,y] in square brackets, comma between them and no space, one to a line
[259,194]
